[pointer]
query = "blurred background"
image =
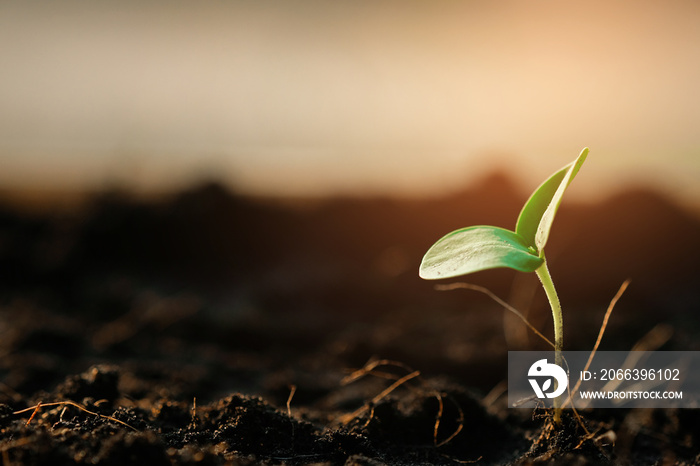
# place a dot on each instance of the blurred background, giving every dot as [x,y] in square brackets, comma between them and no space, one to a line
[317,98]
[280,167]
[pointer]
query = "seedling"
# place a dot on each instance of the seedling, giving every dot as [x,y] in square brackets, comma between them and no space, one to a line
[483,247]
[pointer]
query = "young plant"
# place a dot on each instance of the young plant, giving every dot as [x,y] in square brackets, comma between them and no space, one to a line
[485,247]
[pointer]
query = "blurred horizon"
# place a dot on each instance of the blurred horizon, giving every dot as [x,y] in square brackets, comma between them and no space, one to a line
[316,99]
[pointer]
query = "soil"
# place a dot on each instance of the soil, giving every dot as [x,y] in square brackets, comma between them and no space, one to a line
[213,329]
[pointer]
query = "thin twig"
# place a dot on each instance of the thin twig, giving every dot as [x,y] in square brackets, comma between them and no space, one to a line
[292,391]
[603,326]
[370,417]
[394,386]
[369,369]
[490,294]
[193,421]
[35,409]
[438,418]
[347,418]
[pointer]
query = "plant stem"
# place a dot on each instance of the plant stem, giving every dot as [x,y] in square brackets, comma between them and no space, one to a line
[548,285]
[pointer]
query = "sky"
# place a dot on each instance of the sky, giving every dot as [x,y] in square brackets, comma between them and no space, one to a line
[299,98]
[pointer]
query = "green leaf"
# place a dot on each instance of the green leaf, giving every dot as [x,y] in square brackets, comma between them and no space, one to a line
[536,218]
[477,248]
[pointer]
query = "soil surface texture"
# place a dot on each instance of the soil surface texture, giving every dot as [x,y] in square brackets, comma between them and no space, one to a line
[213,329]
